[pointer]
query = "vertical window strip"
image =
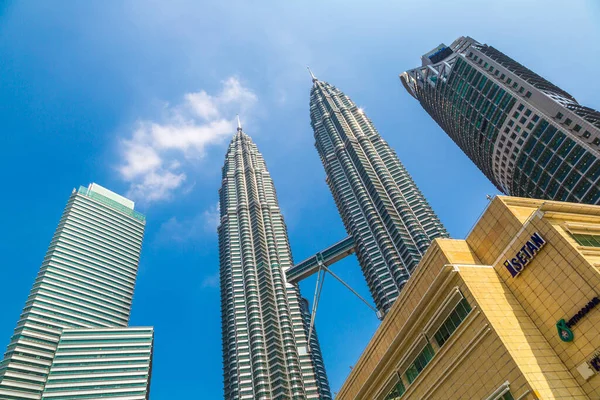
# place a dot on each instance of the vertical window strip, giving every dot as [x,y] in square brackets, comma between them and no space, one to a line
[452,322]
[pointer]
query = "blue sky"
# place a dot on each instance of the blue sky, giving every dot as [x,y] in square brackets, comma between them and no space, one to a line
[141,96]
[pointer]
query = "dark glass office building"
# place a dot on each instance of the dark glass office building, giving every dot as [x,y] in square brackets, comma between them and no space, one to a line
[528,136]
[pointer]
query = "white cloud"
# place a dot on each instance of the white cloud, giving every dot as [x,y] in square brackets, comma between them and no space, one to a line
[189,136]
[211,281]
[202,104]
[157,151]
[186,230]
[234,91]
[156,185]
[211,218]
[174,230]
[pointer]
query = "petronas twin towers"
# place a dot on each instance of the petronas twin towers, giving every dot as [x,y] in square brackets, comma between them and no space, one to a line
[382,209]
[262,315]
[529,137]
[265,321]
[73,342]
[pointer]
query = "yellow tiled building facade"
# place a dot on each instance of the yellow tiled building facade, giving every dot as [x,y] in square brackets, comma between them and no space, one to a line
[478,318]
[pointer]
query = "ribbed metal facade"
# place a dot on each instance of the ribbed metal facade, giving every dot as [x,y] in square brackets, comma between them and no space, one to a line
[265,349]
[315,352]
[101,364]
[382,208]
[528,136]
[86,281]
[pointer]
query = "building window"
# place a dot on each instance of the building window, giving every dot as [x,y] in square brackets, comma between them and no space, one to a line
[528,94]
[420,363]
[460,312]
[582,188]
[577,128]
[521,89]
[535,118]
[502,393]
[596,141]
[586,134]
[528,112]
[521,107]
[587,240]
[396,392]
[559,115]
[502,76]
[508,81]
[568,121]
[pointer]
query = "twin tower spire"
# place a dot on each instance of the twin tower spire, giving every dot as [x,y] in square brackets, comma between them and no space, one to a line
[268,351]
[314,78]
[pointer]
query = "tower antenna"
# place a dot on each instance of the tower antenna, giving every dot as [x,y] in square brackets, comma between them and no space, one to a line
[314,78]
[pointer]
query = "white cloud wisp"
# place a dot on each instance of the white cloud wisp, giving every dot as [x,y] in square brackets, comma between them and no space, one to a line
[190,229]
[154,155]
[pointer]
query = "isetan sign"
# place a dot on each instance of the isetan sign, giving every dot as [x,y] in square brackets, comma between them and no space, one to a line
[527,253]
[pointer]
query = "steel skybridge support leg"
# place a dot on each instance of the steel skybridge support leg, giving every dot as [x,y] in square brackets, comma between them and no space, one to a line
[353,291]
[317,297]
[319,287]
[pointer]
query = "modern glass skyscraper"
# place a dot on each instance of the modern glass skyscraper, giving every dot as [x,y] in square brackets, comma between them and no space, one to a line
[382,208]
[265,350]
[528,136]
[105,364]
[86,281]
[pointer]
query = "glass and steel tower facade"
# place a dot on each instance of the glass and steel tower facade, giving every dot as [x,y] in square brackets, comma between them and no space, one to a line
[528,136]
[382,208]
[266,354]
[315,349]
[86,281]
[113,363]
